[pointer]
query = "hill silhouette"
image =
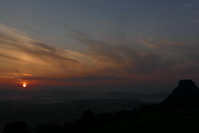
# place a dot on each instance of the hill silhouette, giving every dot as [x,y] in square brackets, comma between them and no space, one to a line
[177,113]
[186,94]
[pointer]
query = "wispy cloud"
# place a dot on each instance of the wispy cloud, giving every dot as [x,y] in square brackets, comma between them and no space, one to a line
[122,60]
[196,20]
[25,58]
[188,5]
[21,53]
[146,43]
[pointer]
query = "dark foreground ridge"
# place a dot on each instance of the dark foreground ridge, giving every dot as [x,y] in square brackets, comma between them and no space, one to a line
[178,113]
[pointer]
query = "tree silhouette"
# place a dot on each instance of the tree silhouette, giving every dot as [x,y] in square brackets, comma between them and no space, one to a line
[16,127]
[88,116]
[50,128]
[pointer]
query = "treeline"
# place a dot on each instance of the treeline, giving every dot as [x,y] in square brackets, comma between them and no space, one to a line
[88,122]
[92,122]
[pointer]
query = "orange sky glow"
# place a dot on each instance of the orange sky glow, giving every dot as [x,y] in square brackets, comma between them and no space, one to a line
[24,59]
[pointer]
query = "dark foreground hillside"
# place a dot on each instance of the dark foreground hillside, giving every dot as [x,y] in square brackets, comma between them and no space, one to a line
[178,113]
[186,121]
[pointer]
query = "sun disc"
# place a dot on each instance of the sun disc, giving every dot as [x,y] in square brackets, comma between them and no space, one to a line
[24,85]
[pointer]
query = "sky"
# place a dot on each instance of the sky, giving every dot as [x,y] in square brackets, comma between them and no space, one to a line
[137,45]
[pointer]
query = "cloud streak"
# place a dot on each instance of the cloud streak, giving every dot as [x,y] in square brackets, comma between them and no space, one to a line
[21,53]
[25,58]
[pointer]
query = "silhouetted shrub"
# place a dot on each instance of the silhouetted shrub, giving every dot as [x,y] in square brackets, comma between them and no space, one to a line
[88,116]
[16,127]
[50,128]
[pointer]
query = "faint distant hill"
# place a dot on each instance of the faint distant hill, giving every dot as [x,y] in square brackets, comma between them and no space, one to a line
[186,94]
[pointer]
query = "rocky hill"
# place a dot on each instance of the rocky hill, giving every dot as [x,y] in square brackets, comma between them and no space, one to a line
[186,94]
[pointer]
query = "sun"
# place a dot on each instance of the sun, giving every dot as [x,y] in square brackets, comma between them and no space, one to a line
[24,85]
